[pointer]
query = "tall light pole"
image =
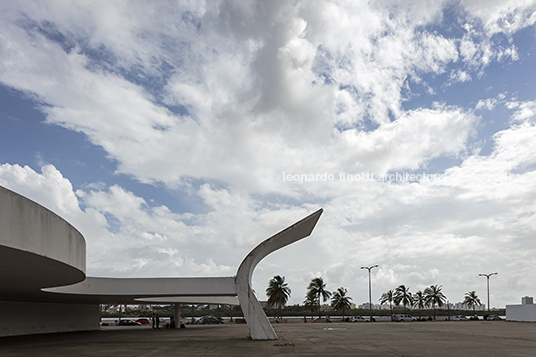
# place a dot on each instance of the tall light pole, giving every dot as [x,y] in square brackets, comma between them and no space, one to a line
[487,276]
[369,288]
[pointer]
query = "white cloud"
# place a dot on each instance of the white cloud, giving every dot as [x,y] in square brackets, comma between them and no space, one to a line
[270,76]
[503,15]
[490,103]
[49,188]
[460,76]
[524,111]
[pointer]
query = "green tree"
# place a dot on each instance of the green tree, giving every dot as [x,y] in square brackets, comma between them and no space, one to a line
[419,301]
[317,289]
[402,295]
[472,300]
[278,293]
[340,301]
[388,297]
[309,303]
[193,312]
[434,297]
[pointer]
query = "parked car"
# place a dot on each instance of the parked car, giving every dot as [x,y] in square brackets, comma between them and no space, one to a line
[143,321]
[404,318]
[209,320]
[358,319]
[493,317]
[460,318]
[128,323]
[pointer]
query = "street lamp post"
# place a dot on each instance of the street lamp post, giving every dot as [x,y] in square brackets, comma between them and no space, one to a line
[369,288]
[487,277]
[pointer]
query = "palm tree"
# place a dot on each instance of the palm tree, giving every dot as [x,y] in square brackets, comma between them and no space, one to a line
[419,300]
[340,301]
[402,295]
[388,297]
[278,293]
[435,296]
[309,303]
[471,299]
[317,289]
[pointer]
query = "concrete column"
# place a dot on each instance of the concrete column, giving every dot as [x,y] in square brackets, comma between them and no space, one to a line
[177,315]
[259,326]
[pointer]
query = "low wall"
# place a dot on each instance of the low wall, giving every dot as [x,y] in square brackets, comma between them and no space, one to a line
[521,312]
[24,318]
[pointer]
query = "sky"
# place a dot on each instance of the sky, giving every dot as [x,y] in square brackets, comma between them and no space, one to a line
[178,135]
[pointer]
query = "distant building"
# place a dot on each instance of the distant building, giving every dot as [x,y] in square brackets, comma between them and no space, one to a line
[325,307]
[462,306]
[366,305]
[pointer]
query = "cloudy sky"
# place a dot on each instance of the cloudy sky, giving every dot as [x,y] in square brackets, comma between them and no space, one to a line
[176,136]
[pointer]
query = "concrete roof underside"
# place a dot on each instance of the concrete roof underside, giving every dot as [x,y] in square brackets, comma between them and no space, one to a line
[211,290]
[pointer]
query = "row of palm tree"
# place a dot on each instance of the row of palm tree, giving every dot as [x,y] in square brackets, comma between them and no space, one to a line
[278,294]
[430,297]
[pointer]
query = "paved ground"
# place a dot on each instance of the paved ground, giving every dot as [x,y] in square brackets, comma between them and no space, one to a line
[445,338]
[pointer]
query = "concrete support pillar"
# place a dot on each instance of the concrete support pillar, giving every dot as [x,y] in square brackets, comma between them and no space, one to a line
[177,315]
[259,326]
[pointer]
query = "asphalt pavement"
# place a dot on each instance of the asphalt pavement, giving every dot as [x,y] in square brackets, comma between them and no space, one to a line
[431,338]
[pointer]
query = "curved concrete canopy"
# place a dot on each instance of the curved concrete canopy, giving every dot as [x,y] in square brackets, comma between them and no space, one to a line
[162,290]
[23,274]
[193,300]
[37,248]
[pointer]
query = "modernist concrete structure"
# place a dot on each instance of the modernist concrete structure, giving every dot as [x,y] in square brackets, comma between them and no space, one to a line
[524,312]
[43,280]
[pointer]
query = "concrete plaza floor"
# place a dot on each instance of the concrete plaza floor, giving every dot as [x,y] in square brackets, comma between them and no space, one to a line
[441,338]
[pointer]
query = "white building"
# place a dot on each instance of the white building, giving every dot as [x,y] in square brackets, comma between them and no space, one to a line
[524,312]
[366,305]
[462,306]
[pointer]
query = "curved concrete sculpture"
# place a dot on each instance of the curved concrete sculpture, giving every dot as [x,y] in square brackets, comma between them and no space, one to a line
[40,254]
[259,326]
[222,290]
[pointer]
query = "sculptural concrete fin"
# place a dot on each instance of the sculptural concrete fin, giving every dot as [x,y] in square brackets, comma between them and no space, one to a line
[259,326]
